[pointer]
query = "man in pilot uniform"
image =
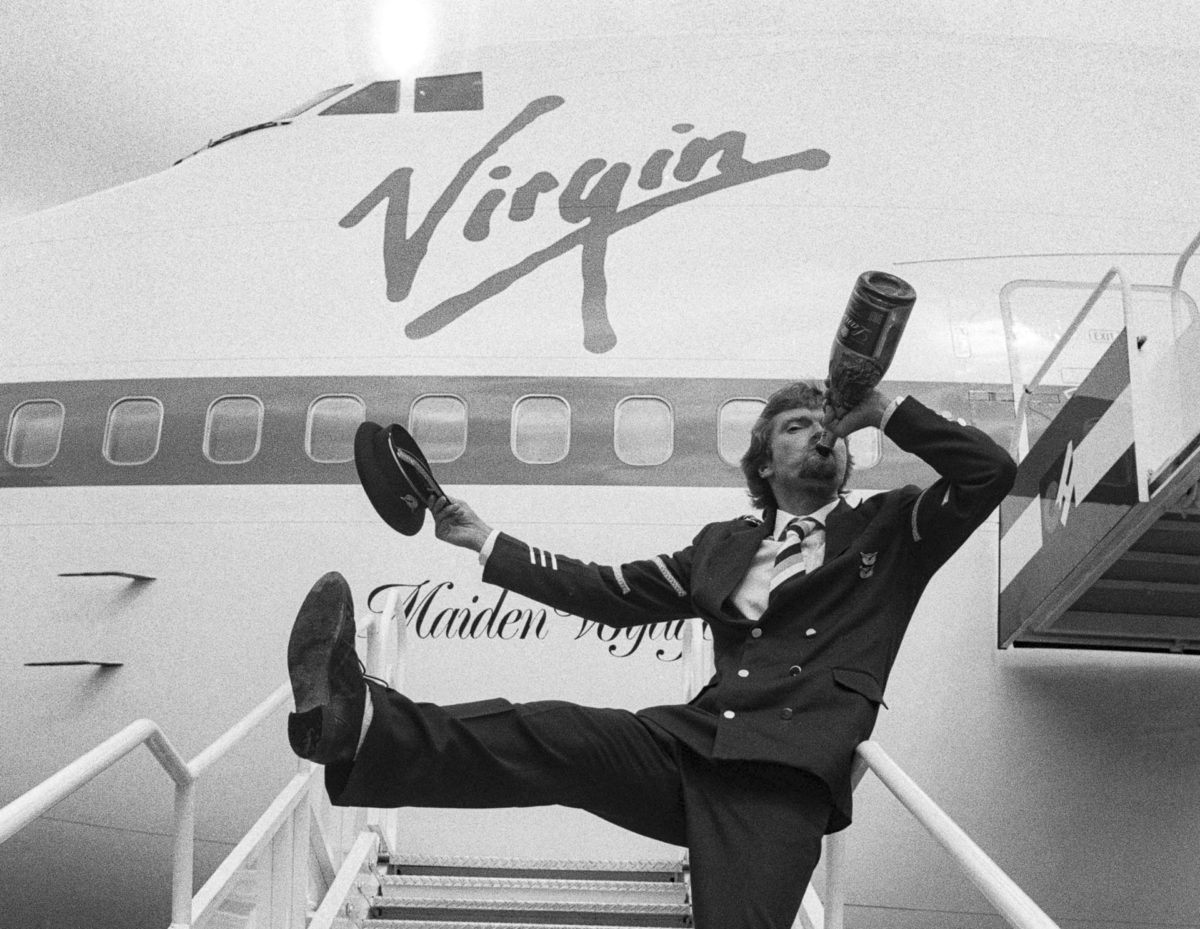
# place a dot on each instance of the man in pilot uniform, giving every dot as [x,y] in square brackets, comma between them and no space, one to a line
[807,609]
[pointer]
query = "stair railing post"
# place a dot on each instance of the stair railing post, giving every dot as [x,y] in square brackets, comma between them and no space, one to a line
[398,635]
[182,871]
[301,857]
[385,661]
[835,880]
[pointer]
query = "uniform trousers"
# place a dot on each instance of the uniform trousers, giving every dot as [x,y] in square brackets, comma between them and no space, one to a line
[752,829]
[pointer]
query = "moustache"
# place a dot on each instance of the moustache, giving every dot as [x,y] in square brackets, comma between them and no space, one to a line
[819,464]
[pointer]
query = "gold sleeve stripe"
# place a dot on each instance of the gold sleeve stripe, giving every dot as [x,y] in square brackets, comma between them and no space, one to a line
[621,582]
[916,533]
[669,577]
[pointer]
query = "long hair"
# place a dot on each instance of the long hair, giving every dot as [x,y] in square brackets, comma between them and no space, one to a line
[800,395]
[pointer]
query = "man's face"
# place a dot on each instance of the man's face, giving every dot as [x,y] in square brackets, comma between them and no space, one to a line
[795,462]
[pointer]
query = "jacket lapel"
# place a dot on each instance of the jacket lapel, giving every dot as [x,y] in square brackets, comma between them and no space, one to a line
[738,551]
[842,527]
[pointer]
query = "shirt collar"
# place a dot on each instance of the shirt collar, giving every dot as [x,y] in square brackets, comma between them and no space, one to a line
[818,516]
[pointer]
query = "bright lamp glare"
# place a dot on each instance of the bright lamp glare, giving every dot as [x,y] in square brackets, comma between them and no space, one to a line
[403,35]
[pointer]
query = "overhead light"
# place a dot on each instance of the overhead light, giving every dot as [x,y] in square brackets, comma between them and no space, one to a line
[402,34]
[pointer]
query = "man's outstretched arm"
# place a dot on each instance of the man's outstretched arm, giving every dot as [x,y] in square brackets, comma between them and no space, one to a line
[633,594]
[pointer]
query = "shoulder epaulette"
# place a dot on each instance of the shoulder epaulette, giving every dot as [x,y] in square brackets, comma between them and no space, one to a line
[751,519]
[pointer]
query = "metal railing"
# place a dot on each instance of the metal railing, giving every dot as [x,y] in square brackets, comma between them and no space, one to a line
[385,659]
[29,806]
[283,833]
[1138,329]
[1023,392]
[1009,900]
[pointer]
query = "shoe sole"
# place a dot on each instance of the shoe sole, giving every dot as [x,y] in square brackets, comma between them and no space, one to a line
[319,625]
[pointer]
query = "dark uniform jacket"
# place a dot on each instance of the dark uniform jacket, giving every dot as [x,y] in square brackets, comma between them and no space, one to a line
[818,659]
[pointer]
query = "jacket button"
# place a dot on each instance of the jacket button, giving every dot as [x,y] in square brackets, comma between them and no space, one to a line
[729,714]
[794,670]
[756,633]
[786,713]
[743,673]
[810,631]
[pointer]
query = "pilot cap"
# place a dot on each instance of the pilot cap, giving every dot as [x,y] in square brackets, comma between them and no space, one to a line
[395,474]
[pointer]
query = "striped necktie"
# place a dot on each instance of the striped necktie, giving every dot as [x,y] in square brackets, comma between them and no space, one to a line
[789,562]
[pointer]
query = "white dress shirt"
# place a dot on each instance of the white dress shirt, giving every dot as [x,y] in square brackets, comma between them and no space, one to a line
[751,594]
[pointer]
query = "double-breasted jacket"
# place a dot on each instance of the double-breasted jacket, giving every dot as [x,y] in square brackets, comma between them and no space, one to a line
[802,685]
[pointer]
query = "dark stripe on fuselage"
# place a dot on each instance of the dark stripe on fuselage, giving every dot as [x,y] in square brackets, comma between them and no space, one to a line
[489,457]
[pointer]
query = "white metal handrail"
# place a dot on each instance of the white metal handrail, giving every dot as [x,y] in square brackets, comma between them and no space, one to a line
[1009,900]
[218,886]
[1024,392]
[386,651]
[33,803]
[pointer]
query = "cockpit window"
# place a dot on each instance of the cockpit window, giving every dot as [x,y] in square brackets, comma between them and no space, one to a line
[312,101]
[448,92]
[380,97]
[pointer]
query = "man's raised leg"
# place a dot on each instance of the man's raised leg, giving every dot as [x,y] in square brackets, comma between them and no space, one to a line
[486,754]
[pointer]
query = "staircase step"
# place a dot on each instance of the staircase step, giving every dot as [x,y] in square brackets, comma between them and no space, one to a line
[223,920]
[441,924]
[565,869]
[463,888]
[541,913]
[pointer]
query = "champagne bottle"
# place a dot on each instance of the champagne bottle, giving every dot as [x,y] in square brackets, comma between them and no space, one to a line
[866,341]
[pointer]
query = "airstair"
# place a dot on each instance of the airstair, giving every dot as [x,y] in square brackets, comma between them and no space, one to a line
[1100,537]
[307,865]
[495,893]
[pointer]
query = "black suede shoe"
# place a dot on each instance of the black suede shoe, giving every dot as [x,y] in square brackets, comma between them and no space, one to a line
[327,680]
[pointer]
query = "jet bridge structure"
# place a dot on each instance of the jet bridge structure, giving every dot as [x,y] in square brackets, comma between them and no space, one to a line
[1100,537]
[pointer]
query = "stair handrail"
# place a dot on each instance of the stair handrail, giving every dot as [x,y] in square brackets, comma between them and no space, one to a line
[385,652]
[1010,901]
[1181,264]
[26,808]
[1024,392]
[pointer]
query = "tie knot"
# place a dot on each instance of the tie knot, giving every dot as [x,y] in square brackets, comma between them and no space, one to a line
[799,527]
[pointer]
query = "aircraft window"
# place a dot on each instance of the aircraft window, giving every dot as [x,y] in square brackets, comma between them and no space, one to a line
[541,429]
[233,431]
[439,424]
[448,92]
[332,422]
[312,101]
[380,97]
[643,431]
[34,433]
[733,427]
[865,448]
[133,431]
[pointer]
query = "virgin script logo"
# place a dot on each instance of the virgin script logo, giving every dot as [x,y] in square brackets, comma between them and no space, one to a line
[597,213]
